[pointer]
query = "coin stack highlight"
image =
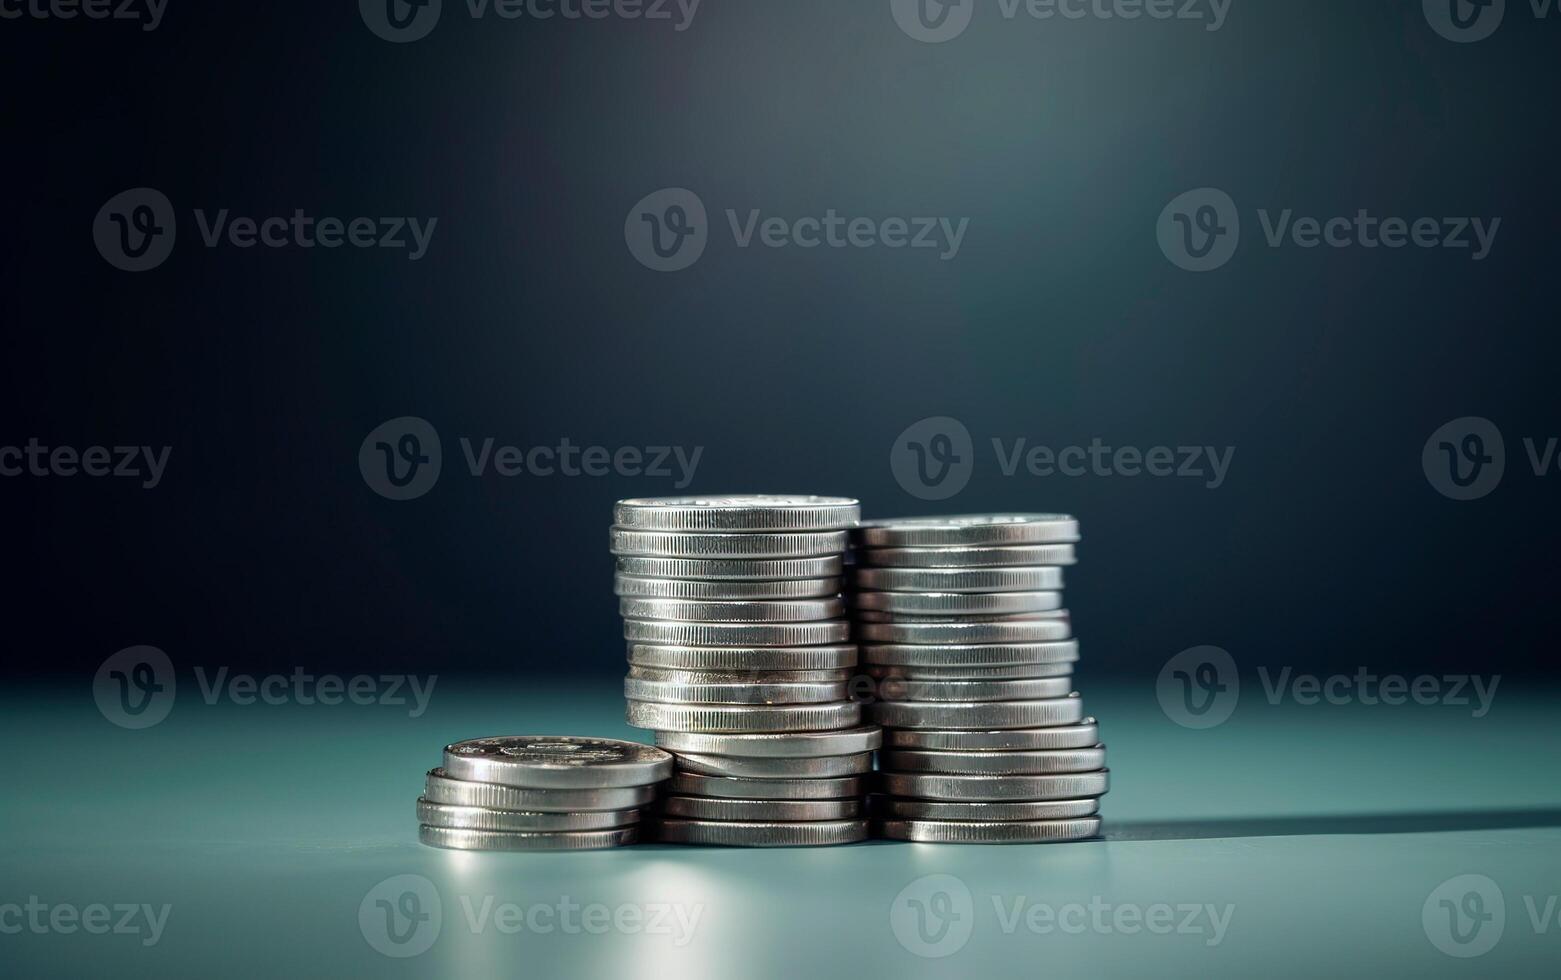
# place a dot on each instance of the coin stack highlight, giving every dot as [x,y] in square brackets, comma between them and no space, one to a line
[740,660]
[969,653]
[540,793]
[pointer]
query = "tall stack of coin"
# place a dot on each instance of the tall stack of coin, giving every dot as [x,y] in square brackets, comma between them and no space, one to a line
[970,656]
[540,793]
[740,660]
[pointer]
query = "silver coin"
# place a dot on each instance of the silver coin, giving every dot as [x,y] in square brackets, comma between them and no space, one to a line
[735,718]
[705,677]
[556,762]
[959,603]
[1010,689]
[971,832]
[682,588]
[889,806]
[481,818]
[759,544]
[999,557]
[1016,631]
[878,616]
[981,714]
[738,512]
[1061,786]
[718,691]
[837,657]
[731,833]
[826,632]
[441,788]
[500,840]
[784,745]
[1019,763]
[752,611]
[970,654]
[743,788]
[710,808]
[878,672]
[768,767]
[1033,578]
[732,569]
[1080,736]
[965,530]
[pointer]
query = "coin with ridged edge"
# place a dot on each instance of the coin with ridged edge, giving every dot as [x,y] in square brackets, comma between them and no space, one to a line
[1001,557]
[878,616]
[1008,832]
[969,654]
[1013,671]
[959,603]
[1031,578]
[785,745]
[556,762]
[968,530]
[888,806]
[1007,763]
[831,657]
[441,788]
[500,840]
[738,512]
[743,788]
[682,588]
[720,718]
[1016,631]
[1080,736]
[763,767]
[483,818]
[748,611]
[978,714]
[931,786]
[645,684]
[759,544]
[732,833]
[712,808]
[732,569]
[1002,689]
[826,632]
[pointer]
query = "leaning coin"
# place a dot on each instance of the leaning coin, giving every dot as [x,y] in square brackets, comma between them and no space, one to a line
[743,788]
[732,569]
[787,745]
[500,840]
[734,718]
[1013,689]
[730,689]
[711,808]
[959,603]
[683,588]
[971,832]
[1017,631]
[888,806]
[482,818]
[1062,786]
[967,530]
[777,768]
[878,672]
[1024,554]
[969,654]
[981,714]
[556,762]
[679,544]
[1078,736]
[738,512]
[751,611]
[733,833]
[441,788]
[834,657]
[1032,578]
[995,763]
[831,632]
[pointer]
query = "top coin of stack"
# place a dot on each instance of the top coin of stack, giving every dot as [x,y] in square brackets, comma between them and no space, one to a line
[971,655]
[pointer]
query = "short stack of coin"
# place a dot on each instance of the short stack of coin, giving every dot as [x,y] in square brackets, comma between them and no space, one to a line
[740,660]
[540,793]
[969,654]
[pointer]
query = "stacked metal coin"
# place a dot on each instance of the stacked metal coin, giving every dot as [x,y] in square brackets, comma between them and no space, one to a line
[540,793]
[740,660]
[968,657]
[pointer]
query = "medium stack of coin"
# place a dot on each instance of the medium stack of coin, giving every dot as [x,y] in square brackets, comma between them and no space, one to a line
[968,660]
[540,793]
[740,660]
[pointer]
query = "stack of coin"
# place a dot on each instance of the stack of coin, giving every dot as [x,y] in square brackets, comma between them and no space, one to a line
[968,656]
[740,659]
[540,793]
